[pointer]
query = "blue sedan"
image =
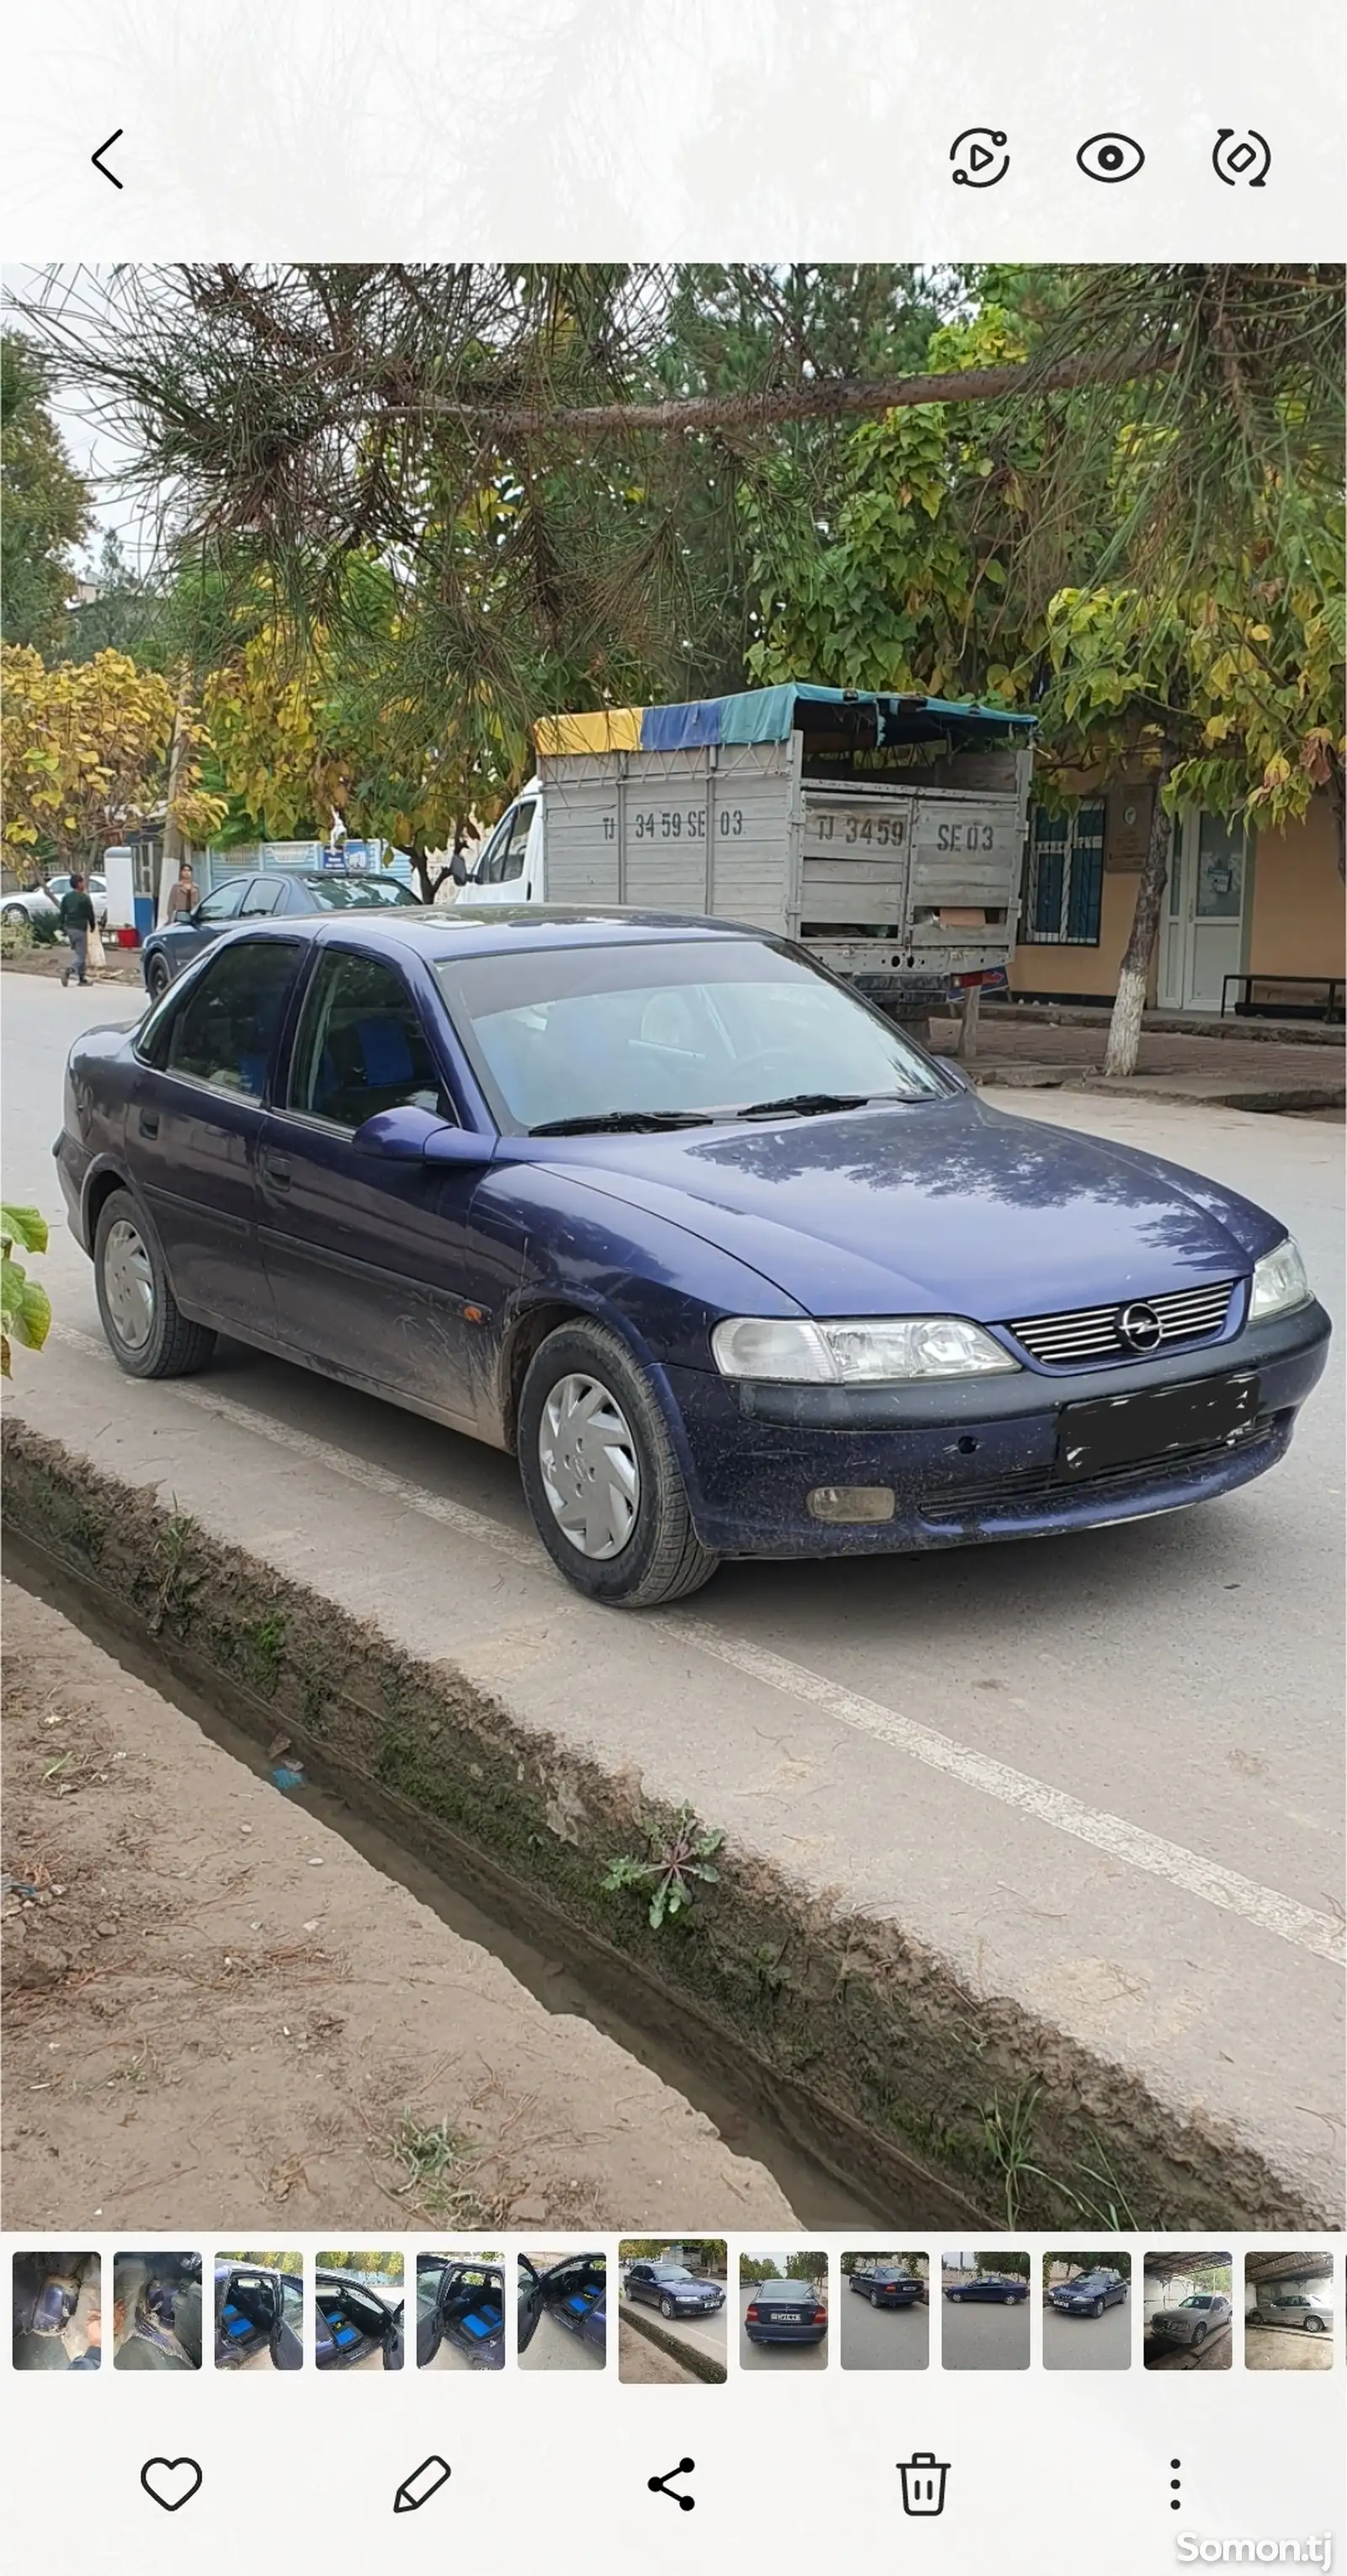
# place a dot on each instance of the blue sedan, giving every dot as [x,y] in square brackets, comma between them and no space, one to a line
[785,2312]
[269,897]
[658,1205]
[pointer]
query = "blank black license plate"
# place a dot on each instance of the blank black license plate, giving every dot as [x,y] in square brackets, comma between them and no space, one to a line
[1126,1430]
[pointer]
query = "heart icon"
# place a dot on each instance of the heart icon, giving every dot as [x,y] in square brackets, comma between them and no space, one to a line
[171,2482]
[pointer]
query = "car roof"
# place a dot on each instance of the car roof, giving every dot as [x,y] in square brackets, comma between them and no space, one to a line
[456,931]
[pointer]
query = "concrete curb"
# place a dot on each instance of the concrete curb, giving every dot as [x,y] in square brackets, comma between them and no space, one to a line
[842,2028]
[686,2355]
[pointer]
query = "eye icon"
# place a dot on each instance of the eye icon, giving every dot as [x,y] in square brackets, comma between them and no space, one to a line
[1110,157]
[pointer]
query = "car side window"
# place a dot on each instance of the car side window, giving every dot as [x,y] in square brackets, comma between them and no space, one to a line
[491,865]
[516,842]
[225,1030]
[262,895]
[362,1045]
[225,902]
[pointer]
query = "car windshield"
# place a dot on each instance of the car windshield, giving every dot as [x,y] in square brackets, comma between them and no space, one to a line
[1199,2303]
[683,1028]
[671,2272]
[342,894]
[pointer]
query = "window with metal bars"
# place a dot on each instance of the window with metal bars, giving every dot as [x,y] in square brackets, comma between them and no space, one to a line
[1064,879]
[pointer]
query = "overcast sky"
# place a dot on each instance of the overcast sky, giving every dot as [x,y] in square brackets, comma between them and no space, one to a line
[94,453]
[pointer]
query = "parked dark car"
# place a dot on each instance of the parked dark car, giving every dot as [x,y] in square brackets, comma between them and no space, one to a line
[785,2312]
[176,943]
[1004,2289]
[731,1266]
[674,2290]
[1089,2294]
[353,2321]
[574,2292]
[461,2304]
[887,2285]
[258,2310]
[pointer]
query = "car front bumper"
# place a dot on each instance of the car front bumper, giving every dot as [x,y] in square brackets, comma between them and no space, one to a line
[969,1460]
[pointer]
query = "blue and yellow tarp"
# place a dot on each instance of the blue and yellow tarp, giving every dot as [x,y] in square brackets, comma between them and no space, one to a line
[759,715]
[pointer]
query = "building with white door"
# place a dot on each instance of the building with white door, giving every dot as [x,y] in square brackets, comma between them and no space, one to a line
[1252,922]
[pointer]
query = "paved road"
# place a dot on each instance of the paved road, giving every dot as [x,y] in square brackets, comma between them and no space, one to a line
[1286,2348]
[705,2334]
[1167,1689]
[783,2357]
[882,2338]
[1088,2343]
[978,2337]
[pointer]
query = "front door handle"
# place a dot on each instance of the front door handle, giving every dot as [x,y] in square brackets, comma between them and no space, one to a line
[277,1169]
[149,1122]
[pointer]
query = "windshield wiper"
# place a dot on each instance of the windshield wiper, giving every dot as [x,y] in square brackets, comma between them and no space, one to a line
[804,1104]
[619,1122]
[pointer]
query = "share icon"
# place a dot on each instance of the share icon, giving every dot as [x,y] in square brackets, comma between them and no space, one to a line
[661,2486]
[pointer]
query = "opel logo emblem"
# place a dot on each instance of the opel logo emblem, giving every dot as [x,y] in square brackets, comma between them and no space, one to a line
[1138,1326]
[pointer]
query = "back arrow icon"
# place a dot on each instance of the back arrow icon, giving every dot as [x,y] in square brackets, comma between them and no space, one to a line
[97,157]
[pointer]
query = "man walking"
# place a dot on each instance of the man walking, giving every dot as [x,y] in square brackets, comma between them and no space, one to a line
[76,921]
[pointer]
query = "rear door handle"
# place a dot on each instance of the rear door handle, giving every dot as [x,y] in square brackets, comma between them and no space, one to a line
[149,1122]
[277,1169]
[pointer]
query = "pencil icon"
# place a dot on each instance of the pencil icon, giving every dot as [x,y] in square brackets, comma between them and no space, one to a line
[421,2485]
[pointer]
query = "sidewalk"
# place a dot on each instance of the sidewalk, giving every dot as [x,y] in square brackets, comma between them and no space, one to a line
[1036,1054]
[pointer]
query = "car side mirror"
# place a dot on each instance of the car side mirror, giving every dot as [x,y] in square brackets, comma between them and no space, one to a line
[459,869]
[411,1135]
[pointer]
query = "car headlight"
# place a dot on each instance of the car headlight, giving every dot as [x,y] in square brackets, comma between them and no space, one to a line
[859,1353]
[1279,1283]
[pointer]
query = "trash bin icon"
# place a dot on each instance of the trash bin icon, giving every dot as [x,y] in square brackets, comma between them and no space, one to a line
[923,2479]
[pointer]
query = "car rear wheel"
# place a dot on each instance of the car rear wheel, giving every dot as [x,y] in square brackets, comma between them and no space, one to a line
[1314,2325]
[600,1476]
[147,1333]
[874,2298]
[1010,2300]
[14,917]
[157,976]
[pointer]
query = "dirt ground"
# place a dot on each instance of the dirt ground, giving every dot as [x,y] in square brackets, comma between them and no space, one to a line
[217,2013]
[641,2364]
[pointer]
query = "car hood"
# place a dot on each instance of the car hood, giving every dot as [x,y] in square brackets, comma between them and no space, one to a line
[942,1206]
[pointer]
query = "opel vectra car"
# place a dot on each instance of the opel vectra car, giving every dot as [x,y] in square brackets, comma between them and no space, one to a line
[674,2290]
[659,1205]
[573,2293]
[461,2306]
[785,2312]
[258,2310]
[1001,2288]
[354,2322]
[1088,2294]
[886,2285]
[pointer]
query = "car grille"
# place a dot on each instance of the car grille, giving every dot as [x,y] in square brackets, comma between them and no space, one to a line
[1091,1332]
[1037,1484]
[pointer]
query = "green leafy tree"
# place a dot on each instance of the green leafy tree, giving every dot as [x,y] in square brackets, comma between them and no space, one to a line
[24,1304]
[44,503]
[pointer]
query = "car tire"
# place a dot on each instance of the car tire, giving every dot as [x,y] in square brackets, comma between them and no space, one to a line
[1199,2336]
[1098,2308]
[129,1273]
[874,2298]
[158,976]
[1313,2325]
[667,2308]
[1009,2300]
[14,916]
[660,1557]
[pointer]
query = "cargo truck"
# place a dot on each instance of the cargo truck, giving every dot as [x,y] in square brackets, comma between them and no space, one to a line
[885,833]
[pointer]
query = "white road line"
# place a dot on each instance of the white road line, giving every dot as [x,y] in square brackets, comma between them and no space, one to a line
[1265,1907]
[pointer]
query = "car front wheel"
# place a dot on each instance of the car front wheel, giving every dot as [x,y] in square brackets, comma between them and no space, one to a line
[147,1333]
[667,2308]
[600,1475]
[1199,2337]
[1098,2308]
